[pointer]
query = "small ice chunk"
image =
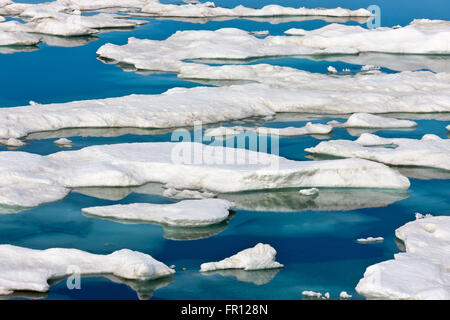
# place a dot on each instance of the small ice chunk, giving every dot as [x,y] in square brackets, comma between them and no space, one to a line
[309,192]
[12,142]
[261,256]
[187,194]
[422,216]
[63,142]
[370,239]
[370,67]
[367,120]
[344,295]
[332,70]
[312,294]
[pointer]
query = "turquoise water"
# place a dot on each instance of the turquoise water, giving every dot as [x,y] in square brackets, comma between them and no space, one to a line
[316,241]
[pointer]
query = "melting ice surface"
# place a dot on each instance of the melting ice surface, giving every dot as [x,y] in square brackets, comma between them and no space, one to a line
[315,237]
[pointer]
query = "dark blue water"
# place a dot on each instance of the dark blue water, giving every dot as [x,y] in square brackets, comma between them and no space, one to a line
[318,247]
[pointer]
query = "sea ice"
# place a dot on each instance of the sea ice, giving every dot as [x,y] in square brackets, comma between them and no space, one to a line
[24,175]
[309,192]
[186,213]
[261,256]
[370,239]
[430,151]
[27,269]
[12,142]
[63,142]
[422,272]
[366,120]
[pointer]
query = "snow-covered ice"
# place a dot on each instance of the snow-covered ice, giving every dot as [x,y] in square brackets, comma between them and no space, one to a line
[27,269]
[309,192]
[421,36]
[261,256]
[344,295]
[187,194]
[405,92]
[186,213]
[370,239]
[12,142]
[63,142]
[23,175]
[422,272]
[209,9]
[430,151]
[366,120]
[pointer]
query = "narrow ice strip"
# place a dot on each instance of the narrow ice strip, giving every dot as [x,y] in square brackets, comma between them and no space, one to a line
[187,194]
[366,120]
[261,256]
[370,240]
[308,129]
[209,9]
[430,151]
[23,269]
[187,213]
[181,166]
[309,192]
[422,272]
[181,107]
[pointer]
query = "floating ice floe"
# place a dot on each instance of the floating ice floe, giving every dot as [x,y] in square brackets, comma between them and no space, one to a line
[16,38]
[186,213]
[422,272]
[309,192]
[448,127]
[366,120]
[183,107]
[370,239]
[344,295]
[308,129]
[25,269]
[422,216]
[209,9]
[316,295]
[12,142]
[421,36]
[261,256]
[430,151]
[24,175]
[63,142]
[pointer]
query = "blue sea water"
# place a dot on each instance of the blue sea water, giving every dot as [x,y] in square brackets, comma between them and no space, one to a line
[318,247]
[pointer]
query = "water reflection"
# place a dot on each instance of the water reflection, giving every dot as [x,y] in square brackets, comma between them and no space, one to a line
[257,277]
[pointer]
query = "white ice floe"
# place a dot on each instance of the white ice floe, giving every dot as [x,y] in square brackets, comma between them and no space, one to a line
[448,127]
[419,215]
[309,192]
[209,9]
[63,142]
[16,38]
[332,70]
[422,272]
[23,269]
[370,239]
[366,120]
[261,256]
[420,36]
[186,213]
[182,107]
[23,175]
[312,294]
[12,142]
[430,151]
[187,194]
[344,295]
[308,129]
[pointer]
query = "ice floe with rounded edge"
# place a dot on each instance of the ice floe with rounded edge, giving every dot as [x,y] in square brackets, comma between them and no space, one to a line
[308,129]
[448,127]
[261,256]
[23,175]
[430,151]
[370,240]
[422,272]
[63,142]
[16,38]
[28,269]
[186,213]
[315,295]
[344,295]
[181,107]
[12,142]
[309,192]
[367,120]
[421,36]
[209,9]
